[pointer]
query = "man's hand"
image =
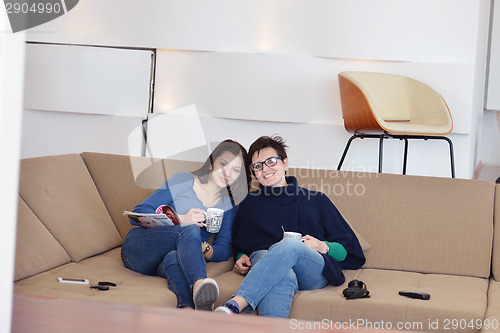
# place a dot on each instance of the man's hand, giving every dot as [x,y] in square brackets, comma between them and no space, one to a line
[242,265]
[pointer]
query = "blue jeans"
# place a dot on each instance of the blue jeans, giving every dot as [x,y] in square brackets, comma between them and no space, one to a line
[173,252]
[278,273]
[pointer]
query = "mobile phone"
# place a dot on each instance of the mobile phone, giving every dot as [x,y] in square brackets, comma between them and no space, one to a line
[76,281]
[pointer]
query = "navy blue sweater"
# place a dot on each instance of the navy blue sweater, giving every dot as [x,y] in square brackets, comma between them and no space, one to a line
[261,216]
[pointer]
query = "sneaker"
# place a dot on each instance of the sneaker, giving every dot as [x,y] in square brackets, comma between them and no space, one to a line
[206,294]
[228,309]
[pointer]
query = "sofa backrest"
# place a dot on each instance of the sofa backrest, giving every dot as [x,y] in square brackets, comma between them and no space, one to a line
[63,196]
[419,224]
[125,181]
[36,249]
[496,239]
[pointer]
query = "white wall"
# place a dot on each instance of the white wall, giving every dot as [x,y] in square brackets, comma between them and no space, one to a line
[493,97]
[276,62]
[53,133]
[93,80]
[81,98]
[11,87]
[489,146]
[385,29]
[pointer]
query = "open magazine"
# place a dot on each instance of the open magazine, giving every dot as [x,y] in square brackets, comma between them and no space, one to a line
[148,220]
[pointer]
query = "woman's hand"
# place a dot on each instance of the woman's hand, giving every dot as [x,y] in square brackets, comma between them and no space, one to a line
[242,265]
[315,244]
[195,215]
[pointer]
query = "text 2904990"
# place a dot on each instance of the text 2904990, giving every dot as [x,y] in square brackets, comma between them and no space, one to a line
[34,8]
[464,324]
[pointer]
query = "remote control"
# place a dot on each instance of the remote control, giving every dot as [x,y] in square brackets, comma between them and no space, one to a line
[415,294]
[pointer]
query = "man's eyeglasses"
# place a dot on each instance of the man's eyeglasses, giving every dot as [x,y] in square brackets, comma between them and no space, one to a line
[270,162]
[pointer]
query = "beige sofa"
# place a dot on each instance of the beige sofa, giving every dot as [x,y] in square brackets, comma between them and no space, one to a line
[430,234]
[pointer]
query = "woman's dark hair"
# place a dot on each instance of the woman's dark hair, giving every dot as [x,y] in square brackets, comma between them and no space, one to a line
[276,142]
[239,189]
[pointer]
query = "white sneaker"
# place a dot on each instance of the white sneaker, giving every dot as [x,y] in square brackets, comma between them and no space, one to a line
[206,294]
[223,309]
[228,308]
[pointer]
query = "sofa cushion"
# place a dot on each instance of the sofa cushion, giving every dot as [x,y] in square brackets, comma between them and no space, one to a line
[219,267]
[36,249]
[61,193]
[452,297]
[496,240]
[420,224]
[114,178]
[125,181]
[132,287]
[492,319]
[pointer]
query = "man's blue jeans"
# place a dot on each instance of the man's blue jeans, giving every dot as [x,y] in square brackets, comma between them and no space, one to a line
[278,273]
[173,252]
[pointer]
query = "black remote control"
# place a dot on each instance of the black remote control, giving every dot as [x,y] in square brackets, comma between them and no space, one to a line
[415,294]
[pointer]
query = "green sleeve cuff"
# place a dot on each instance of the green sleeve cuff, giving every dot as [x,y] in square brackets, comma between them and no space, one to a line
[337,251]
[238,256]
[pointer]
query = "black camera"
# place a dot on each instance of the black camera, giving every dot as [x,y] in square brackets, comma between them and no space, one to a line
[356,289]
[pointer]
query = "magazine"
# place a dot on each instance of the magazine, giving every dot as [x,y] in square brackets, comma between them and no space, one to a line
[147,220]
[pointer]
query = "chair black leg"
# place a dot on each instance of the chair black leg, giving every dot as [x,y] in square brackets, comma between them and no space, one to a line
[380,152]
[346,149]
[405,137]
[452,157]
[405,158]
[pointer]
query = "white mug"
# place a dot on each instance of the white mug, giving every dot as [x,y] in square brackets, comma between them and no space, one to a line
[213,219]
[291,234]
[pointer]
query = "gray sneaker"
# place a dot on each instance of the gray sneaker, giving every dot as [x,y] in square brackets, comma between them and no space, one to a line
[206,294]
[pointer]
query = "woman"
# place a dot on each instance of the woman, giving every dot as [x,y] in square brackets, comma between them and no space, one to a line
[277,267]
[178,253]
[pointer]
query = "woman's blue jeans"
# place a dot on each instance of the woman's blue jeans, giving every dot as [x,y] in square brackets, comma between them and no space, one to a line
[278,273]
[173,252]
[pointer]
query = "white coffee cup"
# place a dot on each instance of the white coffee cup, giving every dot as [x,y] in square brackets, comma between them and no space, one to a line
[291,234]
[213,219]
